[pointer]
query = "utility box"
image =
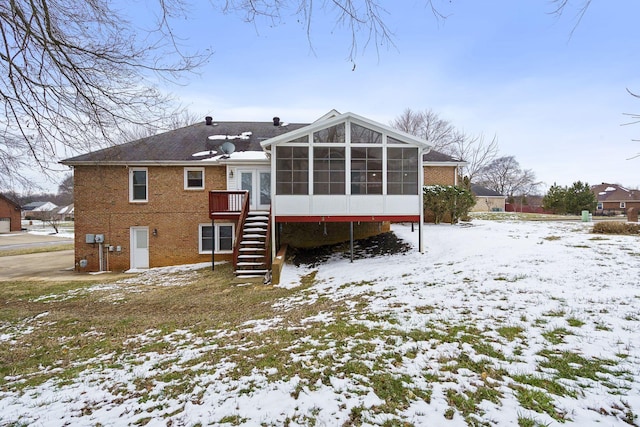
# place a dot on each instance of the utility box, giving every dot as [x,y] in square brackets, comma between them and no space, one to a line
[90,238]
[99,238]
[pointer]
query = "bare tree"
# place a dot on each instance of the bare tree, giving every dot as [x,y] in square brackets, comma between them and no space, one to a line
[430,127]
[446,139]
[476,152]
[74,73]
[505,176]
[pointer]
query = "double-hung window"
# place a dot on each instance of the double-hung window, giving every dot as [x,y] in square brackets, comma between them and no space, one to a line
[193,178]
[138,185]
[221,240]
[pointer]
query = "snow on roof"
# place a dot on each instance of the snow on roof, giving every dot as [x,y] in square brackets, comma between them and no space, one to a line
[243,135]
[609,189]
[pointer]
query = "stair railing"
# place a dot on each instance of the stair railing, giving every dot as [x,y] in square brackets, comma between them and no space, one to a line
[267,243]
[240,229]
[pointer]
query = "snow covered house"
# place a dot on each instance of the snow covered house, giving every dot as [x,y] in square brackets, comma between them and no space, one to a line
[240,190]
[614,199]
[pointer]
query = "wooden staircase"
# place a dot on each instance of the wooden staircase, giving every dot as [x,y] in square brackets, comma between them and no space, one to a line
[253,258]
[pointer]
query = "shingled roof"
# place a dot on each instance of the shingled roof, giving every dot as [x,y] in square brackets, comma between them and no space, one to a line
[614,193]
[181,144]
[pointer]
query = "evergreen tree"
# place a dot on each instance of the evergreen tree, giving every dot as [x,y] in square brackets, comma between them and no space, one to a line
[554,200]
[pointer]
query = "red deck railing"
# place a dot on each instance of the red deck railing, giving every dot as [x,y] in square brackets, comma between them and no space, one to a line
[225,204]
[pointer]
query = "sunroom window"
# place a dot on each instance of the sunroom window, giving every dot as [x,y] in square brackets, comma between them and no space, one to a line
[366,170]
[363,135]
[292,170]
[402,170]
[328,170]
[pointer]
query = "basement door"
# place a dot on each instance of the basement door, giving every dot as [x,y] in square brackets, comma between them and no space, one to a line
[258,184]
[139,247]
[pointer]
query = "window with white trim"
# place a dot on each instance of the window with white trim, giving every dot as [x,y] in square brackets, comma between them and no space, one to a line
[366,170]
[402,170]
[224,235]
[194,178]
[292,170]
[328,170]
[138,185]
[623,205]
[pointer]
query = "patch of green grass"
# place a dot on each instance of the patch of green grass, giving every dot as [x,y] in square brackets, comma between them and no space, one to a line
[556,336]
[575,322]
[549,385]
[571,365]
[37,250]
[539,401]
[510,333]
[555,313]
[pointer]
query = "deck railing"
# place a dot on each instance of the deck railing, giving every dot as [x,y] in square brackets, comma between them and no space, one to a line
[226,203]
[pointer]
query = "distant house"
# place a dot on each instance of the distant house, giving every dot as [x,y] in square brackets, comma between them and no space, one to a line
[614,199]
[487,200]
[65,213]
[240,190]
[39,210]
[10,219]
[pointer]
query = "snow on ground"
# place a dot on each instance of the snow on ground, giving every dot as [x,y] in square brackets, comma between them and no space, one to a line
[520,311]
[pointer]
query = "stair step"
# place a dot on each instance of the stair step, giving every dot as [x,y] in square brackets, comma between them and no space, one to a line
[252,249]
[250,264]
[262,213]
[254,230]
[250,273]
[257,224]
[253,236]
[250,256]
[252,242]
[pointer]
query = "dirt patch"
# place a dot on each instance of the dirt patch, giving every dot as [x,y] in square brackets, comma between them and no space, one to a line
[380,245]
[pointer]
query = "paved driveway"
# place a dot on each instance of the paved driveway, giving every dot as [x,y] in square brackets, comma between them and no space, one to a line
[56,265]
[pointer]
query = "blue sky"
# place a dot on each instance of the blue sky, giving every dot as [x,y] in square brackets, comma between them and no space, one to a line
[555,100]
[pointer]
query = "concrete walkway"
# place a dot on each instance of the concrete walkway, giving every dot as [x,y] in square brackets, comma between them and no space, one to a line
[56,266]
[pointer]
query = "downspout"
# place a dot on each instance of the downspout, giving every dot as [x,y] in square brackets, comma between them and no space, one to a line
[421,199]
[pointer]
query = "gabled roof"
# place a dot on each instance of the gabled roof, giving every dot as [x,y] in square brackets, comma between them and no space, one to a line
[614,193]
[481,191]
[32,205]
[439,159]
[180,145]
[10,201]
[331,119]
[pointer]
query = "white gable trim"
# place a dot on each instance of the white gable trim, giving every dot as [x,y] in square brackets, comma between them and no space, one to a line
[344,118]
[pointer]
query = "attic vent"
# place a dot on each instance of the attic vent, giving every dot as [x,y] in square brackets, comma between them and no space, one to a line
[208,120]
[276,121]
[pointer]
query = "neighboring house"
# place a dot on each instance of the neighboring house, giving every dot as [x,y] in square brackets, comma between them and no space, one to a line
[240,190]
[613,199]
[65,213]
[487,200]
[39,210]
[10,219]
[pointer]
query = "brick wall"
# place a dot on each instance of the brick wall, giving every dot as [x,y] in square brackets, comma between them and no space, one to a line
[442,175]
[9,210]
[102,207]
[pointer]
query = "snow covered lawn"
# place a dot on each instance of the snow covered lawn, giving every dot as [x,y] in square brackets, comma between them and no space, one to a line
[498,323]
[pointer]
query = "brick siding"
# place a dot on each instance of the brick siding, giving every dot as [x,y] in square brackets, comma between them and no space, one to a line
[102,203]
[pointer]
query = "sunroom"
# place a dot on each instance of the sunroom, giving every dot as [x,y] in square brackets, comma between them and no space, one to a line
[346,168]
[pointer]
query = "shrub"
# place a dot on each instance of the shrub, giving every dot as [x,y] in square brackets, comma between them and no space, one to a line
[616,227]
[448,199]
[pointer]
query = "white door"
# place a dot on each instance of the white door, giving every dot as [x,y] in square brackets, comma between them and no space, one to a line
[5,225]
[139,247]
[258,184]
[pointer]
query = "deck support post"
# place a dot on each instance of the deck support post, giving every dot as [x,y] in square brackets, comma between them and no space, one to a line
[213,245]
[351,238]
